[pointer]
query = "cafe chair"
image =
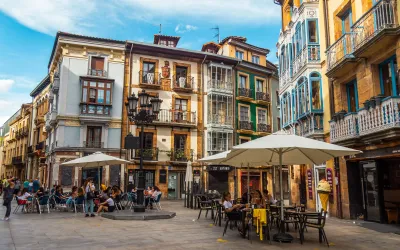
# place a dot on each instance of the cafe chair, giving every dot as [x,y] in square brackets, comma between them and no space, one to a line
[317,220]
[204,205]
[233,217]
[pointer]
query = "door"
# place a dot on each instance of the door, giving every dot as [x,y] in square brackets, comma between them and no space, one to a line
[172,185]
[371,191]
[303,185]
[179,148]
[181,106]
[95,173]
[319,174]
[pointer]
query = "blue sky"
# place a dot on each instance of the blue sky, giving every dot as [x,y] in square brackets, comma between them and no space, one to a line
[27,30]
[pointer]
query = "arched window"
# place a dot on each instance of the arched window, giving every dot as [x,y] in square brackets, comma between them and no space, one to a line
[315,80]
[302,93]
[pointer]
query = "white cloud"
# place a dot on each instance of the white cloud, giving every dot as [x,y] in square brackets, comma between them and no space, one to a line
[184,28]
[5,85]
[9,104]
[83,16]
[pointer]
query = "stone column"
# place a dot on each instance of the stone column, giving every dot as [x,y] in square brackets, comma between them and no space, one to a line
[56,167]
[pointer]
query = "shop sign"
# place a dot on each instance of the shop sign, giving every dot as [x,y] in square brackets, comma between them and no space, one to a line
[375,153]
[309,184]
[220,168]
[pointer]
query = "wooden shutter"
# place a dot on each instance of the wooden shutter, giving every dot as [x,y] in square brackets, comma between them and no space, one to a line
[97,63]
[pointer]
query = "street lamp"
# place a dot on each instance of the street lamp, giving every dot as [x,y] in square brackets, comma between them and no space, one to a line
[142,111]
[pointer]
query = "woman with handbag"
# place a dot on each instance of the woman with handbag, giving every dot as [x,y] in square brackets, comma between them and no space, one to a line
[89,196]
[8,197]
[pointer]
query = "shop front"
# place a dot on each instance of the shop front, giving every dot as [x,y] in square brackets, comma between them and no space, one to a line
[218,178]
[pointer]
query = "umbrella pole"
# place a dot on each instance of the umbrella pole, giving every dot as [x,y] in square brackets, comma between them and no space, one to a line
[282,236]
[248,184]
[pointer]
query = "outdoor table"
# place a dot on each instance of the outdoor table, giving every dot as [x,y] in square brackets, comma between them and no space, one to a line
[302,218]
[397,204]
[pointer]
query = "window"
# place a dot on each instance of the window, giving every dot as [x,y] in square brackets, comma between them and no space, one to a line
[244,113]
[163,42]
[346,22]
[93,137]
[297,39]
[179,146]
[302,96]
[262,116]
[388,77]
[219,141]
[148,72]
[352,96]
[181,106]
[147,140]
[316,91]
[180,77]
[239,54]
[312,31]
[96,97]
[171,43]
[97,66]
[242,82]
[277,98]
[278,121]
[255,59]
[259,85]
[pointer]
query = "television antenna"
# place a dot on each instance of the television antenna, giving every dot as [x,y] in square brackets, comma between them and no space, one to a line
[216,28]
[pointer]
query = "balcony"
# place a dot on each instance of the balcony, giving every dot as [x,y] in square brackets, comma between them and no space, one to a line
[97,72]
[149,154]
[171,117]
[340,52]
[263,98]
[51,97]
[47,125]
[245,94]
[40,145]
[220,120]
[246,126]
[220,86]
[378,123]
[264,128]
[376,29]
[181,155]
[309,54]
[56,83]
[39,120]
[284,79]
[149,79]
[183,84]
[93,144]
[53,117]
[17,160]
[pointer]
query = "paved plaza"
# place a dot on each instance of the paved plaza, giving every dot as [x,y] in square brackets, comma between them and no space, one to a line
[62,230]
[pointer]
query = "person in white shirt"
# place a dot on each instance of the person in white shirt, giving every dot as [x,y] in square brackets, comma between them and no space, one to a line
[268,198]
[153,197]
[227,203]
[107,206]
[24,195]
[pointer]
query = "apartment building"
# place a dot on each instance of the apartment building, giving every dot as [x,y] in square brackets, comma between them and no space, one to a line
[364,72]
[85,108]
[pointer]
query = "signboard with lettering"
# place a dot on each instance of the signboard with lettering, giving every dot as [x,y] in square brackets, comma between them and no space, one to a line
[309,184]
[219,168]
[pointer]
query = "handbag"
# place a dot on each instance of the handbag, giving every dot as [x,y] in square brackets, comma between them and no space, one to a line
[90,195]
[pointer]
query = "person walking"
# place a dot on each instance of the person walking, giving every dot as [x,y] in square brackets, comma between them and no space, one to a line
[8,197]
[89,196]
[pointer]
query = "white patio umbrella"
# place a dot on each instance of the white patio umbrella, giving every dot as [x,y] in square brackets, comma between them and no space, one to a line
[97,159]
[284,149]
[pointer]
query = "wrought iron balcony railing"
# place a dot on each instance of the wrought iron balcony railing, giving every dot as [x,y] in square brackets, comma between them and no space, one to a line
[340,50]
[93,144]
[245,125]
[149,154]
[150,79]
[17,160]
[176,116]
[262,127]
[181,155]
[243,92]
[183,83]
[261,96]
[381,16]
[97,72]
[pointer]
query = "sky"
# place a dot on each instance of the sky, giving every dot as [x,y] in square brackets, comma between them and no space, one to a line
[28,29]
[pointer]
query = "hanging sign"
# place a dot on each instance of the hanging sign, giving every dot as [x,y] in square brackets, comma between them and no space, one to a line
[220,168]
[309,184]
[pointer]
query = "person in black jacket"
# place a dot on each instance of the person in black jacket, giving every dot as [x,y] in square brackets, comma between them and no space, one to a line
[8,197]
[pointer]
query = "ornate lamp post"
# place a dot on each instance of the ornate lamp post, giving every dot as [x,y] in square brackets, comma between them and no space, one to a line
[142,111]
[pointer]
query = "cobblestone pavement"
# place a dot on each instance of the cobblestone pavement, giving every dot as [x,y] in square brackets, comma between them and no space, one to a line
[63,230]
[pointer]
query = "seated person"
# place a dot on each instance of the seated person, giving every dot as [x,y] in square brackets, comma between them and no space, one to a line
[74,194]
[268,198]
[244,198]
[59,197]
[80,199]
[257,199]
[107,206]
[40,192]
[24,196]
[227,203]
[153,197]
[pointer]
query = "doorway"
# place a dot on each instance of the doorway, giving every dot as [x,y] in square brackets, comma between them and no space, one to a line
[303,185]
[95,173]
[285,184]
[319,174]
[176,181]
[371,191]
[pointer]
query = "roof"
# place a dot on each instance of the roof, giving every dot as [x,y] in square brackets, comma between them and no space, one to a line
[43,84]
[59,33]
[158,36]
[6,125]
[237,38]
[257,67]
[272,65]
[185,52]
[210,43]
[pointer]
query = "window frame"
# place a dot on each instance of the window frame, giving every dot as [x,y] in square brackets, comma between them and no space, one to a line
[248,112]
[94,128]
[352,84]
[389,61]
[257,59]
[258,109]
[348,13]
[316,30]
[85,104]
[239,52]
[319,78]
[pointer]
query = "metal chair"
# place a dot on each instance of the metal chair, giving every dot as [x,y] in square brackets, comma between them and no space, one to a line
[156,201]
[44,201]
[79,202]
[204,205]
[317,220]
[21,204]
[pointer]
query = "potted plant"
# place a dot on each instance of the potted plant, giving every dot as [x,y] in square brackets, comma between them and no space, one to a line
[372,102]
[378,99]
[367,104]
